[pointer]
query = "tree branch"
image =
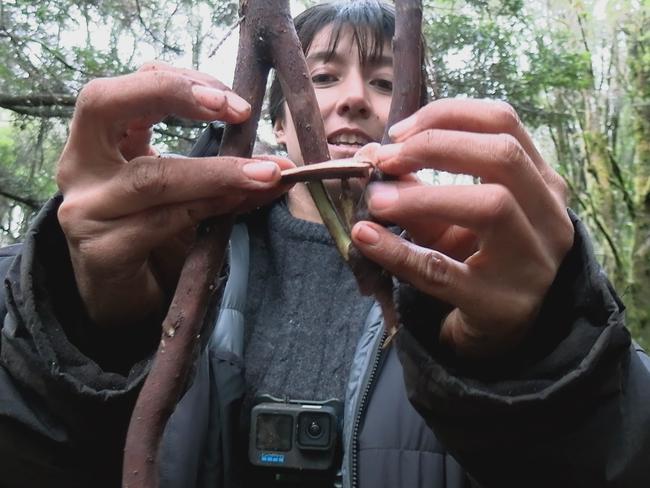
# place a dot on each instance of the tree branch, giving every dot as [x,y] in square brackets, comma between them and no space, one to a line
[153,35]
[62,105]
[198,281]
[267,34]
[31,203]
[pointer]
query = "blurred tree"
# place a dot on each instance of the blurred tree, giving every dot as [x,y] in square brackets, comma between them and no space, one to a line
[50,49]
[577,72]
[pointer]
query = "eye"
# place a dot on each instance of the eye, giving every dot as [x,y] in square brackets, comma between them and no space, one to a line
[382,84]
[323,78]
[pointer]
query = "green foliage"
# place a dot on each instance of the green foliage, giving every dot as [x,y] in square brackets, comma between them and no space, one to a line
[54,47]
[25,173]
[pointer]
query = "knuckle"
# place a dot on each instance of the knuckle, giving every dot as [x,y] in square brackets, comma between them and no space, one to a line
[428,265]
[506,117]
[154,65]
[166,81]
[565,235]
[71,217]
[90,95]
[147,176]
[559,187]
[65,175]
[66,214]
[499,205]
[435,269]
[511,154]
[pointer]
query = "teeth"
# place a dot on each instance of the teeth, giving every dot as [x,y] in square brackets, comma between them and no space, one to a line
[349,139]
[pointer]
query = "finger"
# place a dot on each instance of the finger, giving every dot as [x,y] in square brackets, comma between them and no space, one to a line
[136,143]
[488,211]
[456,242]
[495,158]
[154,181]
[367,152]
[205,78]
[471,290]
[148,229]
[482,116]
[430,271]
[282,162]
[107,107]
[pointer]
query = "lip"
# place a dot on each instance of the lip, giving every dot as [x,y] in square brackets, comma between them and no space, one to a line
[341,151]
[349,131]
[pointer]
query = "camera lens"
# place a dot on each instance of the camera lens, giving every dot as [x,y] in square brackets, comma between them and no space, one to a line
[314,429]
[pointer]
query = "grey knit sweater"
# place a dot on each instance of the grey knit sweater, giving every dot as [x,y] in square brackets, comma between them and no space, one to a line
[304,313]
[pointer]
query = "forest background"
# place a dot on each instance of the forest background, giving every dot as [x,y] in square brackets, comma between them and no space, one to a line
[577,71]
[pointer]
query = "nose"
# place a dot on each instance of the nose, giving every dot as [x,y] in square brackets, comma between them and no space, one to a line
[354,100]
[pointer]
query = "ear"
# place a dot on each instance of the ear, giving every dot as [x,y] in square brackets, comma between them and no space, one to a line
[278,131]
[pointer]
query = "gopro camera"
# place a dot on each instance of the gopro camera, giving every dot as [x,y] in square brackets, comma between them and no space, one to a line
[294,434]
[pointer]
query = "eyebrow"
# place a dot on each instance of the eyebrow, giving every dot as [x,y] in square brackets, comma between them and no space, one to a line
[328,56]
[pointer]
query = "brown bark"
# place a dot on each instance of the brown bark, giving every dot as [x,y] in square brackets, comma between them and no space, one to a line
[407,98]
[182,326]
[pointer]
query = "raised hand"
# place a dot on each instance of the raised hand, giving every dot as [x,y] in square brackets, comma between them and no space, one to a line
[491,250]
[129,214]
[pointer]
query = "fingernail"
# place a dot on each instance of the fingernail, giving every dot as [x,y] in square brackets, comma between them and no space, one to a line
[401,128]
[366,234]
[382,195]
[263,171]
[209,97]
[237,103]
[387,153]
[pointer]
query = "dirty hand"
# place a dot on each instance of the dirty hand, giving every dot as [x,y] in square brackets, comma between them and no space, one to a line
[128,214]
[490,250]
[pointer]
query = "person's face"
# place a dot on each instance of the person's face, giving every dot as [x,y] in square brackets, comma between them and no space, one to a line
[354,99]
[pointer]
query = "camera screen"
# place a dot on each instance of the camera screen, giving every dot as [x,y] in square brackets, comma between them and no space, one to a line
[274,432]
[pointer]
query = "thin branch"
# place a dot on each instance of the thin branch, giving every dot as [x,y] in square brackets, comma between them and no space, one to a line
[62,105]
[29,202]
[226,36]
[583,36]
[37,100]
[620,183]
[594,215]
[153,35]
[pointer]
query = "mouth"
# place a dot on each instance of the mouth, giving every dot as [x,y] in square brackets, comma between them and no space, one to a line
[349,140]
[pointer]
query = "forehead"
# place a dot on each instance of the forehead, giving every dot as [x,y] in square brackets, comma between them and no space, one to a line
[329,43]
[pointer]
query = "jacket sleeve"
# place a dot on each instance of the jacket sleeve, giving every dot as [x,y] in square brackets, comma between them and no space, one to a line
[63,413]
[569,408]
[67,389]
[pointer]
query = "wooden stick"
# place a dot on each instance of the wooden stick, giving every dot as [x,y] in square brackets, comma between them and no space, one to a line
[198,281]
[407,97]
[267,36]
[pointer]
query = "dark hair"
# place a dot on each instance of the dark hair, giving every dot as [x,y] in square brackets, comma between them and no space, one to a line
[372,23]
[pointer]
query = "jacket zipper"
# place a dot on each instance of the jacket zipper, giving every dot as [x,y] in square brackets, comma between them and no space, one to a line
[362,405]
